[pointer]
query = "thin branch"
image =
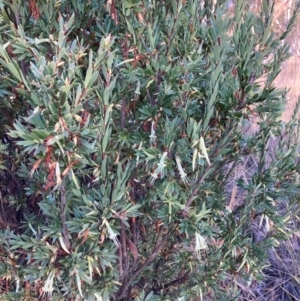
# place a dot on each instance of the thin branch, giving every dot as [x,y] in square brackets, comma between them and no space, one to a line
[122,249]
[158,246]
[13,178]
[197,186]
[123,113]
[120,262]
[3,222]
[152,102]
[123,239]
[175,282]
[159,79]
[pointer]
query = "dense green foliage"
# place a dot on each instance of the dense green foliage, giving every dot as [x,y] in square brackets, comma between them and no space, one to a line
[122,130]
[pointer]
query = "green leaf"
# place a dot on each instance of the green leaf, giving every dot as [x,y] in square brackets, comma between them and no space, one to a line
[70,22]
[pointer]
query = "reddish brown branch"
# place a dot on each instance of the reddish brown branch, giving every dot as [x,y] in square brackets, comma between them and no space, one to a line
[158,246]
[123,250]
[175,282]
[120,262]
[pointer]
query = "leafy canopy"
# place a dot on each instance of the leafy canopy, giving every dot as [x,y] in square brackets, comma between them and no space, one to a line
[123,130]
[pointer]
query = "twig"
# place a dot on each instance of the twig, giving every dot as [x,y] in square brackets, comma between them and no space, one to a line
[123,113]
[158,246]
[175,282]
[123,239]
[122,249]
[152,102]
[195,191]
[3,222]
[14,178]
[120,262]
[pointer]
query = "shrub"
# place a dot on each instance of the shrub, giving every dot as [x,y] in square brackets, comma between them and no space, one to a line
[123,127]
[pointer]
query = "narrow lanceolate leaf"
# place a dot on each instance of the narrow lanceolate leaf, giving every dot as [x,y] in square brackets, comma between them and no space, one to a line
[195,155]
[133,249]
[74,179]
[48,287]
[78,281]
[34,167]
[98,297]
[3,53]
[57,171]
[70,22]
[90,266]
[62,243]
[93,79]
[89,71]
[13,69]
[17,284]
[204,150]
